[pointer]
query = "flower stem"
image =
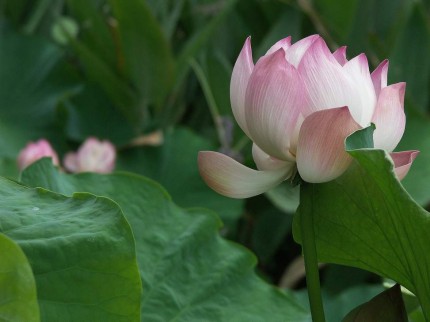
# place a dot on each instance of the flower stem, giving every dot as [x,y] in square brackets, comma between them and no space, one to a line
[310,253]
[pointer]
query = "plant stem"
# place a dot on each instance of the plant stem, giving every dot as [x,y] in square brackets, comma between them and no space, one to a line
[310,254]
[41,8]
[213,108]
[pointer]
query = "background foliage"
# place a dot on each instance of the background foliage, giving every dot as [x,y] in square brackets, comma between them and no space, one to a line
[120,70]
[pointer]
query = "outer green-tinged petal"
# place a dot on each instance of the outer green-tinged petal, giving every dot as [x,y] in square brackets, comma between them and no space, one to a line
[267,162]
[232,179]
[239,81]
[327,84]
[358,70]
[403,161]
[284,43]
[275,98]
[389,117]
[321,153]
[340,55]
[379,76]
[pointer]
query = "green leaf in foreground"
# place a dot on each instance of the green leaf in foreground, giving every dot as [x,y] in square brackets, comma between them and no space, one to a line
[18,299]
[189,273]
[385,307]
[366,219]
[174,165]
[81,251]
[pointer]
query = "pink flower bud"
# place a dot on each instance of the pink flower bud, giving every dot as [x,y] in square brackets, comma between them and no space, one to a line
[35,151]
[92,156]
[297,104]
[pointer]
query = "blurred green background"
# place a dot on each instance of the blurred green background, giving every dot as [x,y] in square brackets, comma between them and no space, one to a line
[121,70]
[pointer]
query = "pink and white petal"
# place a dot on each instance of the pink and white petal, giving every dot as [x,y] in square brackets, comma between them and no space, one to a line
[264,161]
[295,53]
[340,55]
[284,43]
[295,135]
[402,162]
[274,99]
[389,117]
[379,76]
[358,70]
[239,81]
[321,155]
[232,179]
[326,82]
[70,162]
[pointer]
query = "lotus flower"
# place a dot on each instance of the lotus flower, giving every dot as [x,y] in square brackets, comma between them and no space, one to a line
[35,151]
[298,104]
[92,156]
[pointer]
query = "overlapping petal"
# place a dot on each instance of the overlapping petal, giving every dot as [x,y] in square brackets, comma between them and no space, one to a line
[379,76]
[327,84]
[358,70]
[295,53]
[284,43]
[321,153]
[232,179]
[340,55]
[403,161]
[274,100]
[239,80]
[264,161]
[389,117]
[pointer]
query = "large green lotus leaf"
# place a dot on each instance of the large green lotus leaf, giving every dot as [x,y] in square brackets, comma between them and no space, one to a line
[18,299]
[174,165]
[81,251]
[189,273]
[29,92]
[366,219]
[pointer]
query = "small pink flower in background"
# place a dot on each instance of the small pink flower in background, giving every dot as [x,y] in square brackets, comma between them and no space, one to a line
[92,156]
[297,104]
[35,151]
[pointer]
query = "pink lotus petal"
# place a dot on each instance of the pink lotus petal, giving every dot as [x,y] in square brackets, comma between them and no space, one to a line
[284,43]
[295,53]
[239,81]
[70,162]
[340,55]
[267,162]
[232,179]
[358,70]
[295,134]
[327,83]
[274,100]
[321,155]
[379,76]
[402,162]
[389,117]
[35,151]
[96,156]
[93,156]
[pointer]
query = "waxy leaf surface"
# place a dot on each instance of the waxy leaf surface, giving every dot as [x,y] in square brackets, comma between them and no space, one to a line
[81,251]
[18,300]
[366,219]
[189,273]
